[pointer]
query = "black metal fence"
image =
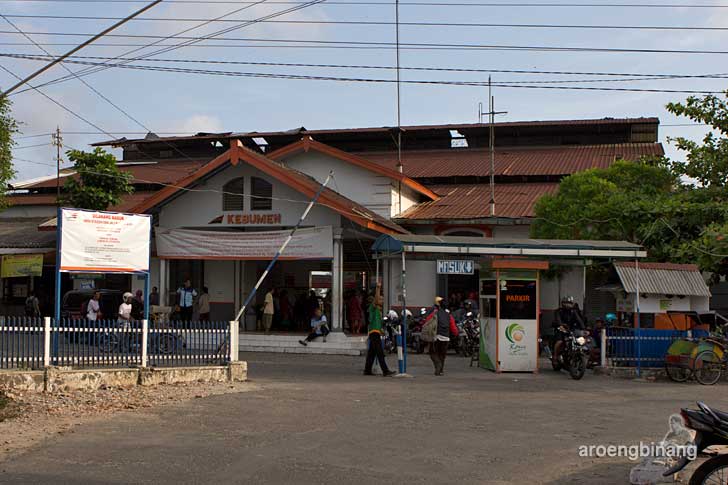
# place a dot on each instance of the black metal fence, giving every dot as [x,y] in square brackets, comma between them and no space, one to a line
[33,343]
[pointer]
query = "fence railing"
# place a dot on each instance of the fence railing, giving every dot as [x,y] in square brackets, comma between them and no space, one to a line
[27,343]
[645,347]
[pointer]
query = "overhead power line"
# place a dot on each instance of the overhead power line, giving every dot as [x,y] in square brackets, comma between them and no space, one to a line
[406,4]
[375,80]
[380,22]
[121,21]
[627,76]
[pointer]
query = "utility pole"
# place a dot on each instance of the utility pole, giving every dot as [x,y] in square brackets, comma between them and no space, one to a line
[57,141]
[491,139]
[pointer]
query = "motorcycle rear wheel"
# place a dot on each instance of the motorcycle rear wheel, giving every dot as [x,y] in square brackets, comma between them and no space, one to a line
[708,368]
[712,472]
[577,366]
[556,365]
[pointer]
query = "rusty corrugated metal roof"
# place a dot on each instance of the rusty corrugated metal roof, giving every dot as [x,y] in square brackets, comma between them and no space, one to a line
[662,279]
[472,201]
[162,172]
[516,161]
[127,201]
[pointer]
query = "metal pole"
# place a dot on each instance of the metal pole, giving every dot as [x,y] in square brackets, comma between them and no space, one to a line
[283,247]
[57,312]
[491,103]
[57,141]
[403,359]
[81,46]
[639,331]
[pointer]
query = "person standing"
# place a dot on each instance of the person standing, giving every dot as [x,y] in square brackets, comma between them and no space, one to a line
[375,336]
[204,305]
[93,308]
[356,315]
[268,311]
[124,316]
[154,296]
[32,306]
[438,348]
[186,295]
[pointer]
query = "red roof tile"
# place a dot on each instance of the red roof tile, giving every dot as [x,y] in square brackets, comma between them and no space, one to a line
[472,201]
[517,161]
[127,203]
[664,266]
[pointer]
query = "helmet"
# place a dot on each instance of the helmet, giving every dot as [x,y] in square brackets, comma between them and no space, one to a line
[392,315]
[438,299]
[610,318]
[408,313]
[127,295]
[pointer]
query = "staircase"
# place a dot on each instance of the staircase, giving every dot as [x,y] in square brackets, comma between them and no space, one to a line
[336,344]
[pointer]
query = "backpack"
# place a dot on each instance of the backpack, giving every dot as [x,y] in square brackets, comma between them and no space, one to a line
[429,329]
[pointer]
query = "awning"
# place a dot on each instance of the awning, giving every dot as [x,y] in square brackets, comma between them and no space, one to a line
[662,279]
[562,248]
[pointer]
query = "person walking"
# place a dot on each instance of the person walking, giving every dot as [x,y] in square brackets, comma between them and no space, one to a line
[268,311]
[32,306]
[375,336]
[438,348]
[186,295]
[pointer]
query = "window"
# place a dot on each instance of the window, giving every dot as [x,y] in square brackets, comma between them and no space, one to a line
[233,197]
[262,193]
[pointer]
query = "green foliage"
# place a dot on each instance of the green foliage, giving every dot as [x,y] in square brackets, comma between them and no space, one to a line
[100,183]
[8,127]
[706,162]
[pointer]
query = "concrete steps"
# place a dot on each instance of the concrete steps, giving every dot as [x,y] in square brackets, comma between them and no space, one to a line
[336,344]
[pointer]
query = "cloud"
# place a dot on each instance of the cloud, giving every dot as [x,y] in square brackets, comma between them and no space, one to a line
[200,123]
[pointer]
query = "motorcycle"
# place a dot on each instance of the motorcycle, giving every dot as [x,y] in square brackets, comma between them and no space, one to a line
[414,339]
[575,352]
[711,428]
[469,334]
[390,324]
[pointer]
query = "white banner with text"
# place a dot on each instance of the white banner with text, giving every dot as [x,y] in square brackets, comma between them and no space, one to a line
[106,242]
[310,243]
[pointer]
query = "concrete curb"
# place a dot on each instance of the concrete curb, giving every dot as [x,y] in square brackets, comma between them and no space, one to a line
[650,373]
[55,379]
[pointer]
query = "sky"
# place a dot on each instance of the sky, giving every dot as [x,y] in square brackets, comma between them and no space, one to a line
[189,103]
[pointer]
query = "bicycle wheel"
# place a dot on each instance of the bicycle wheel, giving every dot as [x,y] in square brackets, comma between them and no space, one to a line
[707,368]
[677,373]
[108,342]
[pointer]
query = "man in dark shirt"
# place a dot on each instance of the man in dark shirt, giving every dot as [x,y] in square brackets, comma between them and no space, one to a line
[438,348]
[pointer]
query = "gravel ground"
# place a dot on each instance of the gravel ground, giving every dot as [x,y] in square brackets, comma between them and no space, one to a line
[316,419]
[29,417]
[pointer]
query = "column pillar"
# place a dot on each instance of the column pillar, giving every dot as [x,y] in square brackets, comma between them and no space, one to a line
[337,284]
[163,282]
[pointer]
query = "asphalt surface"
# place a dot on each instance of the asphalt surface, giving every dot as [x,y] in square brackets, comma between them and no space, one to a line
[316,419]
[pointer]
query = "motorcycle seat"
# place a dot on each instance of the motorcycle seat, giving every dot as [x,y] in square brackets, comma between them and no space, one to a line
[719,414]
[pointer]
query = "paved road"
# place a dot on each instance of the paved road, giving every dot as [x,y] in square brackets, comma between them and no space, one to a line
[315,419]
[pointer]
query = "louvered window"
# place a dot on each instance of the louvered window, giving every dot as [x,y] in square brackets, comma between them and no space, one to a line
[261,194]
[233,198]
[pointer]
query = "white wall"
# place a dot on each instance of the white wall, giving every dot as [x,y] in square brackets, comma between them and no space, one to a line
[197,209]
[409,198]
[371,190]
[421,283]
[48,211]
[220,280]
[569,284]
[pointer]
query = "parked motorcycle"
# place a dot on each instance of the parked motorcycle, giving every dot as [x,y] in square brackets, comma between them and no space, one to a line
[414,339]
[469,334]
[390,326]
[711,428]
[575,352]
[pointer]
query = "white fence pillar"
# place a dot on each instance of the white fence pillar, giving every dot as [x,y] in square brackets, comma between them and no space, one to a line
[337,290]
[234,340]
[46,341]
[145,341]
[603,353]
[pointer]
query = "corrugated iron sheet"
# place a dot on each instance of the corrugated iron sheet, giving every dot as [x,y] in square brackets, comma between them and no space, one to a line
[472,201]
[517,161]
[23,233]
[662,279]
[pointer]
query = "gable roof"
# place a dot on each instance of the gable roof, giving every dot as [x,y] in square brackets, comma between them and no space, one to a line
[307,143]
[301,182]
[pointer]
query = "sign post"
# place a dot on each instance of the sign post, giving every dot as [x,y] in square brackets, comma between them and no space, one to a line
[101,242]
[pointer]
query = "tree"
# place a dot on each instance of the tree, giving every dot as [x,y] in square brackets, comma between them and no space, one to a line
[99,185]
[706,163]
[8,127]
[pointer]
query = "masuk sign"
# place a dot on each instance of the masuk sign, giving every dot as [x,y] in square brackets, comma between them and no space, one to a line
[458,266]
